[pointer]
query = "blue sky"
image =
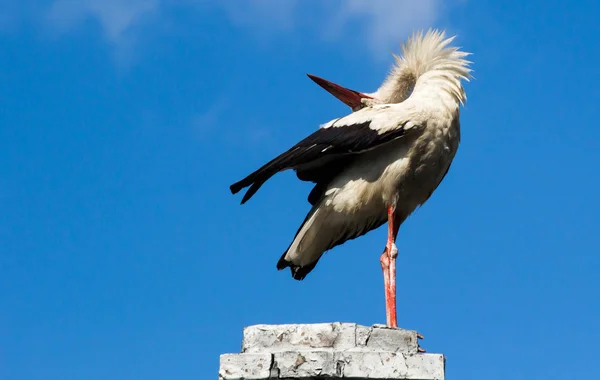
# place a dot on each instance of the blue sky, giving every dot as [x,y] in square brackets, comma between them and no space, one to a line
[122,124]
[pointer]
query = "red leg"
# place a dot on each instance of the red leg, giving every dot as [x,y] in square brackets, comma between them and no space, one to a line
[392,252]
[385,266]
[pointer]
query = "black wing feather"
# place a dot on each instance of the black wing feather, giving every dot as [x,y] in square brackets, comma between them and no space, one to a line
[320,153]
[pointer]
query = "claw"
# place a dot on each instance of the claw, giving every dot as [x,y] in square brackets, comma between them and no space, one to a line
[421,349]
[420,336]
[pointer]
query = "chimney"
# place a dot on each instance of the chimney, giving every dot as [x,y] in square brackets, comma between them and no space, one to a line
[330,351]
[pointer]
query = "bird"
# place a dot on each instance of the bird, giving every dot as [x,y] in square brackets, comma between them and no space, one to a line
[380,162]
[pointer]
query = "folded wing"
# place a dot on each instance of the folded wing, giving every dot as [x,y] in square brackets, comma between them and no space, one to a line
[321,155]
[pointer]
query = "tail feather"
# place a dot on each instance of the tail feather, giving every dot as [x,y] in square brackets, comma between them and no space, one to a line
[298,272]
[339,231]
[236,187]
[254,180]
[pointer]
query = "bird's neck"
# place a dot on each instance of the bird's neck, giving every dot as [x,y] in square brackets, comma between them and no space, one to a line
[440,89]
[398,87]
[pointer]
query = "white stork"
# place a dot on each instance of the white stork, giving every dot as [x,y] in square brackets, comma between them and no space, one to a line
[380,162]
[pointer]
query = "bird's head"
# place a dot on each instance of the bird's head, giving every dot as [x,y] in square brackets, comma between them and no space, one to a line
[396,88]
[353,99]
[421,54]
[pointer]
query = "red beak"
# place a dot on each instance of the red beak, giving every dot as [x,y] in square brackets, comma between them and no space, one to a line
[349,97]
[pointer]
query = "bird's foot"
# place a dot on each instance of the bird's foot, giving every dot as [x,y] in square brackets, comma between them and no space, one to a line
[420,349]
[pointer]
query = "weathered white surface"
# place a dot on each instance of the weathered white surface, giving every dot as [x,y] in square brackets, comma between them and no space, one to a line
[337,336]
[330,350]
[392,365]
[395,340]
[362,335]
[246,366]
[304,364]
[330,364]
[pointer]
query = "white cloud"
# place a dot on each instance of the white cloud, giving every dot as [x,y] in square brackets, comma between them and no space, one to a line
[386,22]
[121,21]
[381,24]
[117,18]
[265,13]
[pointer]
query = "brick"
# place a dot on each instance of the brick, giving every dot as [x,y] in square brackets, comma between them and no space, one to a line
[245,366]
[393,340]
[392,365]
[338,336]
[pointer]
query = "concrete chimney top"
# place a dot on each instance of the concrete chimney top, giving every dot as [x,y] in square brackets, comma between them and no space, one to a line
[330,351]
